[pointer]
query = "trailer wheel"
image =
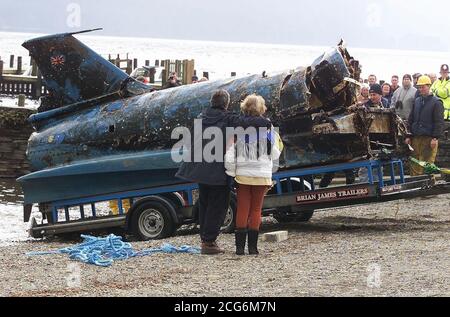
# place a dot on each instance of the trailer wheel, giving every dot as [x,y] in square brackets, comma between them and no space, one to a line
[230,218]
[229,223]
[176,200]
[152,220]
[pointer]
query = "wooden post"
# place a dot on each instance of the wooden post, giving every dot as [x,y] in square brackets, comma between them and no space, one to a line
[188,71]
[1,69]
[11,61]
[157,63]
[185,78]
[147,62]
[34,69]
[21,101]
[129,66]
[152,75]
[206,74]
[118,61]
[38,85]
[192,68]
[164,76]
[162,63]
[178,68]
[19,65]
[135,63]
[167,67]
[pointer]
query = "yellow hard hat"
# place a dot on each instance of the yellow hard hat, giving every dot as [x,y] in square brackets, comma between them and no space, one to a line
[424,80]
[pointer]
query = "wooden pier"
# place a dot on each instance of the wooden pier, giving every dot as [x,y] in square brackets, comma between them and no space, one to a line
[14,82]
[184,68]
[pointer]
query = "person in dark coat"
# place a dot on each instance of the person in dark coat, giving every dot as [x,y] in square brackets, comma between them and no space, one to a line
[172,81]
[214,195]
[376,99]
[426,122]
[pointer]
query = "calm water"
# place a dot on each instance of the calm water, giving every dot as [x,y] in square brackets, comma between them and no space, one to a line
[222,58]
[12,228]
[219,59]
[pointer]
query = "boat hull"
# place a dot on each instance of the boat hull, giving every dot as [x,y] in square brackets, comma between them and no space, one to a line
[99,176]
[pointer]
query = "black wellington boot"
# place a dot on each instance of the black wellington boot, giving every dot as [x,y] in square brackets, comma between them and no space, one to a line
[241,236]
[253,242]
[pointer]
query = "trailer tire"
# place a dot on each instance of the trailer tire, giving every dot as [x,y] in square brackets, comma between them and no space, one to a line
[151,221]
[229,224]
[230,218]
[176,200]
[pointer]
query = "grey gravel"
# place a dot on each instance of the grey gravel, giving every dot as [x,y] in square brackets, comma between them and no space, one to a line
[338,253]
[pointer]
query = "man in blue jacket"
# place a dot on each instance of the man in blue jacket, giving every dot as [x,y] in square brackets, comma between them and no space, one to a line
[426,122]
[376,99]
[214,196]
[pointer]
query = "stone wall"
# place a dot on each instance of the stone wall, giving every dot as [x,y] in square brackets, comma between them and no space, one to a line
[14,134]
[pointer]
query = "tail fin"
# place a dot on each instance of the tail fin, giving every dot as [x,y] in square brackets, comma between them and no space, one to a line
[73,72]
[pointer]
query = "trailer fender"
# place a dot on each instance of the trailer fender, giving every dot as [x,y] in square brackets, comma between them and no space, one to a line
[176,199]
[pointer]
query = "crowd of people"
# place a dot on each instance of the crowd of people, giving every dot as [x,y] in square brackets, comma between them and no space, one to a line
[423,101]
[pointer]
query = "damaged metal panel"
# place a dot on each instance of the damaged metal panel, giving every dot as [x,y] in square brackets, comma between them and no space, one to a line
[119,129]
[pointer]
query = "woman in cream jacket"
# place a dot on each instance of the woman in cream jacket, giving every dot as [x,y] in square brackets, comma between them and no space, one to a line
[251,159]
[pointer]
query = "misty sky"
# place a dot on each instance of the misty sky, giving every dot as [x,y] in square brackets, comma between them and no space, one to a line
[397,24]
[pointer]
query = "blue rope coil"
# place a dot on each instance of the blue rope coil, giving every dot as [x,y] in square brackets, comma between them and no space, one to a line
[104,251]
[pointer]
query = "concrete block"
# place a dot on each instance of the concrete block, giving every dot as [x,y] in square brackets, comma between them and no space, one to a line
[277,236]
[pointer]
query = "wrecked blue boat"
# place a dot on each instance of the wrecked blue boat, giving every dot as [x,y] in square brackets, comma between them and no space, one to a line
[99,131]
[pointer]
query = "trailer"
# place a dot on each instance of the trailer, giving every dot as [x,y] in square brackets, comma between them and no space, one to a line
[157,212]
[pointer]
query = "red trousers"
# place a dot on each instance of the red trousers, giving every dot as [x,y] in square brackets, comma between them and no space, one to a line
[250,200]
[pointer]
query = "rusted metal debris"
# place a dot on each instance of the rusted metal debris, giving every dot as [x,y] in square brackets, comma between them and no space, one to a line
[113,116]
